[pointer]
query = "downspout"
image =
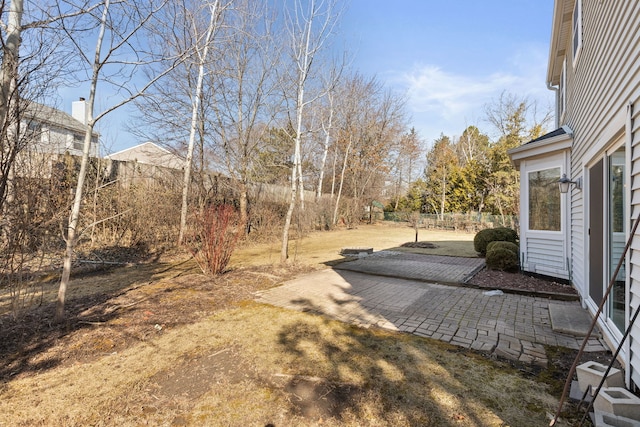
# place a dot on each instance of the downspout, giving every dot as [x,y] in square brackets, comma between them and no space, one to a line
[556,90]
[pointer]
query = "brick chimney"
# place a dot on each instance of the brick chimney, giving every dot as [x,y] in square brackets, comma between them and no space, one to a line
[79,110]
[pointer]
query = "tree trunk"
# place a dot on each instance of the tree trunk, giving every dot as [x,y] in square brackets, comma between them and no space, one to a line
[9,69]
[325,152]
[74,218]
[443,198]
[284,249]
[194,124]
[9,101]
[333,172]
[296,173]
[344,167]
[244,207]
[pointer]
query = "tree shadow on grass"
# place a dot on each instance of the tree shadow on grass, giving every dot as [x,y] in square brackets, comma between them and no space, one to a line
[25,340]
[377,378]
[394,378]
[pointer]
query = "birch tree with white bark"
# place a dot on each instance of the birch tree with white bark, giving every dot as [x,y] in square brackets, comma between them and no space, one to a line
[123,29]
[201,52]
[309,27]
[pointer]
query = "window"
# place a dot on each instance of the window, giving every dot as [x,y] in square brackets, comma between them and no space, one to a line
[78,142]
[544,200]
[577,29]
[34,131]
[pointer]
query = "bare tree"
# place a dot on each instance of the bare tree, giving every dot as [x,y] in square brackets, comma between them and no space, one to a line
[201,54]
[516,120]
[330,83]
[164,113]
[32,64]
[371,123]
[308,29]
[116,61]
[246,97]
[9,97]
[511,114]
[403,160]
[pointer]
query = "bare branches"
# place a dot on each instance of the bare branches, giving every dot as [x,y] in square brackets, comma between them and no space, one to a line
[118,27]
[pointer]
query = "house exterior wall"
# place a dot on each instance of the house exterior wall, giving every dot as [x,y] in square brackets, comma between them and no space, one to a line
[542,251]
[633,130]
[56,140]
[149,153]
[602,98]
[56,132]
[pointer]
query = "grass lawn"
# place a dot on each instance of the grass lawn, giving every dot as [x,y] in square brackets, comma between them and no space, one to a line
[163,345]
[324,247]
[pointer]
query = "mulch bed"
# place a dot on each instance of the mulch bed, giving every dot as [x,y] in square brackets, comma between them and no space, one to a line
[520,282]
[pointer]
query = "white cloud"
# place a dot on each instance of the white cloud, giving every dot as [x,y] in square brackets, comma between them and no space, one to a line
[446,102]
[432,89]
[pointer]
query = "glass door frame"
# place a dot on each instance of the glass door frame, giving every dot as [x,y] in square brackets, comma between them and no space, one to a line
[615,240]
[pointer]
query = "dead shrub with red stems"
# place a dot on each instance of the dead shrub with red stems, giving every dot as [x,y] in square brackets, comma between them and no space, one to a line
[216,232]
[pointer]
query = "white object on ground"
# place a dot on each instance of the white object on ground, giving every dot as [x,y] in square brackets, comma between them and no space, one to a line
[493,293]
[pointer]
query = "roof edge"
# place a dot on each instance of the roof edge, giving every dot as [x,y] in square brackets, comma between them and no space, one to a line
[558,140]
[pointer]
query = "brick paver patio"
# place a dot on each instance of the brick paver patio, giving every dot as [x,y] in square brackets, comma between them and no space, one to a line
[512,326]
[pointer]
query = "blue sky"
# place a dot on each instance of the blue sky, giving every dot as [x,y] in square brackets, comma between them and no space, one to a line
[452,58]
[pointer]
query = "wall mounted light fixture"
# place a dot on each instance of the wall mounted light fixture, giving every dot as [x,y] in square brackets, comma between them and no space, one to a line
[563,183]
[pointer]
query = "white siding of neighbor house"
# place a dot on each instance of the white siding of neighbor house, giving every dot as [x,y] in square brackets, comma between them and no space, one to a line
[600,85]
[54,131]
[56,140]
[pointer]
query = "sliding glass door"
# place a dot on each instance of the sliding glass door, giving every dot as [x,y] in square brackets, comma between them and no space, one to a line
[607,228]
[616,236]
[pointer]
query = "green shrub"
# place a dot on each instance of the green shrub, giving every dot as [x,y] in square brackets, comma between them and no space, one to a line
[500,258]
[484,237]
[503,244]
[508,234]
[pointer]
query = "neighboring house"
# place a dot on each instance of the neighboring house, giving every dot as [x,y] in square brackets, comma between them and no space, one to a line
[57,132]
[594,68]
[148,163]
[149,154]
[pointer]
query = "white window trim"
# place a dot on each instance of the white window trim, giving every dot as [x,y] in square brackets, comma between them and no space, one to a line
[576,47]
[550,162]
[541,169]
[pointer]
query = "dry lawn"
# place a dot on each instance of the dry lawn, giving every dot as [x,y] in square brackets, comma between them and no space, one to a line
[160,344]
[324,248]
